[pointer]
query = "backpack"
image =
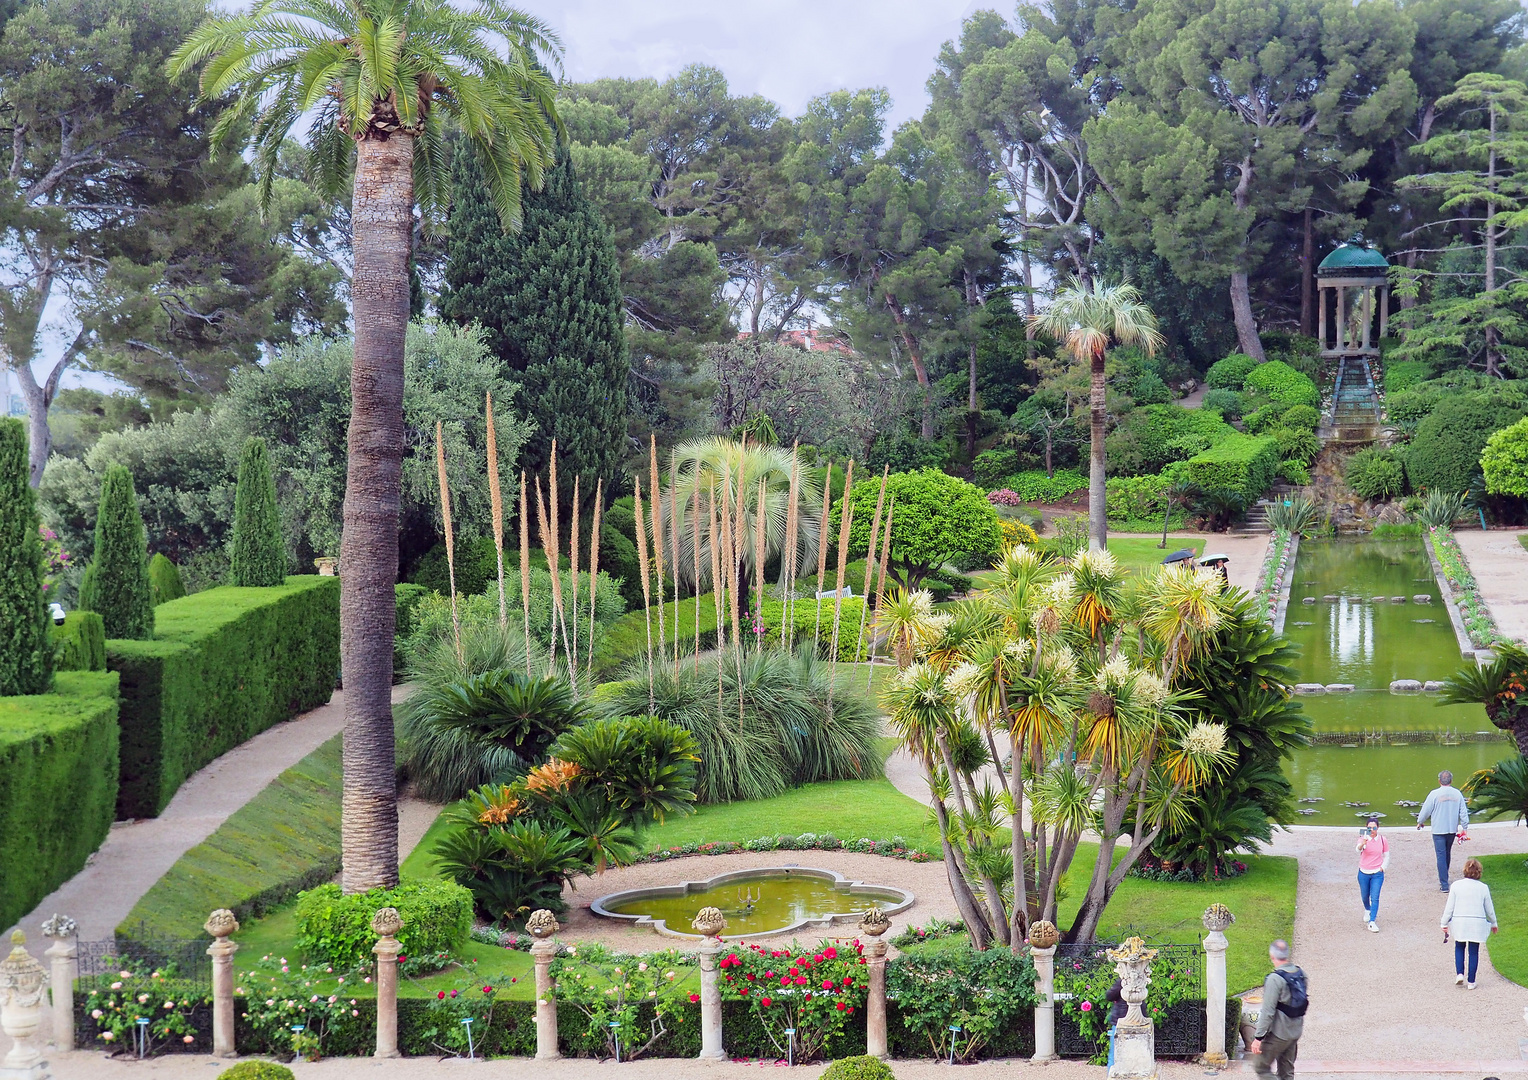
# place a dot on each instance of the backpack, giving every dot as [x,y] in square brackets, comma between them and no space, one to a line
[1299,1000]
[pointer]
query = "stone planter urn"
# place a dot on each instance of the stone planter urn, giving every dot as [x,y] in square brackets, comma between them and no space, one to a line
[542,924]
[1043,934]
[1135,1055]
[874,923]
[709,923]
[1217,917]
[21,983]
[327,567]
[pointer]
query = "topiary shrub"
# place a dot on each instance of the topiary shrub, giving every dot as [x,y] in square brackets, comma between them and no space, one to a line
[1280,384]
[1230,373]
[1375,473]
[336,929]
[863,1067]
[256,1070]
[79,643]
[26,651]
[1228,403]
[1241,463]
[1301,417]
[1504,461]
[1445,453]
[116,585]
[256,552]
[993,467]
[164,580]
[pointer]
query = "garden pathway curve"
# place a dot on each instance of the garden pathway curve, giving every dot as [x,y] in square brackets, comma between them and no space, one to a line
[137,853]
[1500,565]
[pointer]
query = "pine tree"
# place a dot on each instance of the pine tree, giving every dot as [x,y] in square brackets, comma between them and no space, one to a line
[26,651]
[119,587]
[257,554]
[550,298]
[164,580]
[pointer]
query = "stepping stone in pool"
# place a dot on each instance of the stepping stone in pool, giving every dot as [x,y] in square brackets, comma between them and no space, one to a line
[1379,599]
[1370,813]
[1340,688]
[1397,599]
[1406,686]
[1313,798]
[1308,600]
[1304,624]
[1432,686]
[1423,622]
[1310,688]
[1355,804]
[1407,803]
[1331,598]
[1305,811]
[1422,598]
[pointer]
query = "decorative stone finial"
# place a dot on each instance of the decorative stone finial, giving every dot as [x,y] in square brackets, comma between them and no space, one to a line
[1218,917]
[221,923]
[1043,934]
[59,926]
[709,922]
[874,923]
[1132,951]
[386,922]
[542,924]
[20,972]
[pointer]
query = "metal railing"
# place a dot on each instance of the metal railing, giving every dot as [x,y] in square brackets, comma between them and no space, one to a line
[102,962]
[1179,1033]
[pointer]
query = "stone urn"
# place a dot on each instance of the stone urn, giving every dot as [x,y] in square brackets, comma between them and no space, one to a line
[1043,934]
[874,923]
[21,989]
[1217,917]
[385,923]
[709,922]
[1132,963]
[326,567]
[221,923]
[542,924]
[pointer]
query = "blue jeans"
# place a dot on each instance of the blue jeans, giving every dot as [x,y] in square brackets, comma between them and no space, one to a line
[1369,886]
[1443,845]
[1474,958]
[1111,1043]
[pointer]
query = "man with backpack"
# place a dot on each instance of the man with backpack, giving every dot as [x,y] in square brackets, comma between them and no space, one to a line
[1281,1019]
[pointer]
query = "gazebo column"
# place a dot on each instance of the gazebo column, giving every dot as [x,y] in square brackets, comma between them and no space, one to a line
[1321,298]
[1368,316]
[1342,319]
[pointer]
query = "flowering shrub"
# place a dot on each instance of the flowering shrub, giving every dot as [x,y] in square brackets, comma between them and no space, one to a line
[470,998]
[895,848]
[1472,606]
[608,987]
[55,560]
[980,994]
[1087,983]
[298,1008]
[1004,497]
[1150,867]
[813,992]
[157,995]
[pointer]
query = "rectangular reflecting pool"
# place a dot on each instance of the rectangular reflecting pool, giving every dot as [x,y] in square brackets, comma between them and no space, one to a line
[1376,747]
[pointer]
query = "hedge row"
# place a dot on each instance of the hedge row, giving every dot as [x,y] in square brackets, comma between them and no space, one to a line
[224,665]
[1243,463]
[58,784]
[284,840]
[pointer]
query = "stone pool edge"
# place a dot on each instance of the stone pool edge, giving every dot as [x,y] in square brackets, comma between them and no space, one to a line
[1467,650]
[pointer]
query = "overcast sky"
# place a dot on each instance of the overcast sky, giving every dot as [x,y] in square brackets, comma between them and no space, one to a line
[788,50]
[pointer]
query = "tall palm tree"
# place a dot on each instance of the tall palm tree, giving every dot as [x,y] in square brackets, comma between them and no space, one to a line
[1086,317]
[375,79]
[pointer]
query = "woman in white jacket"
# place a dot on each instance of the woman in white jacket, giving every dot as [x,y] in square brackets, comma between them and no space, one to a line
[1470,915]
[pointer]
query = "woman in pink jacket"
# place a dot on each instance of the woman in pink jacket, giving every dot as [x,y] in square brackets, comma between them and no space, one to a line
[1373,860]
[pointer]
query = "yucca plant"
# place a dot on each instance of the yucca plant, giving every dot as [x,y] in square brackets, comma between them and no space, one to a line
[1440,509]
[1295,516]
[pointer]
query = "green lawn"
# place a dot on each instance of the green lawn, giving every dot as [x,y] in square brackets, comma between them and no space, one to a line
[1135,553]
[1507,875]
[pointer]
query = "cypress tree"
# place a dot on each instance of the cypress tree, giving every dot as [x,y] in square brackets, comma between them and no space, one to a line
[549,297]
[164,580]
[26,650]
[119,588]
[257,555]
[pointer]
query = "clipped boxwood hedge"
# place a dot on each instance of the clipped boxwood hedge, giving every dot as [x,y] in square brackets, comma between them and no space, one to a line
[805,617]
[1243,463]
[80,643]
[58,784]
[336,928]
[224,665]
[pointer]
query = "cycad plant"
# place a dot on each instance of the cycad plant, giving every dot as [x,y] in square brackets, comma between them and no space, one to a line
[1501,686]
[1500,791]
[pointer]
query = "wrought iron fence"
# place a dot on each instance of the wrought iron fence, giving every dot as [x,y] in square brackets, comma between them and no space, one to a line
[1179,1027]
[101,962]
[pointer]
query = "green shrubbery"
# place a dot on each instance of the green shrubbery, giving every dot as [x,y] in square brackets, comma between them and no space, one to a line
[336,928]
[79,644]
[862,1067]
[1035,486]
[164,580]
[228,663]
[117,583]
[807,616]
[1150,438]
[1149,389]
[1375,473]
[1230,373]
[1278,383]
[256,555]
[1404,374]
[1136,498]
[256,1070]
[1504,461]
[1445,452]
[58,784]
[1244,464]
[1228,403]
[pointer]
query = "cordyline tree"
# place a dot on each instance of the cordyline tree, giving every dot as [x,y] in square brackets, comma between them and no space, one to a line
[375,78]
[1087,317]
[1087,685]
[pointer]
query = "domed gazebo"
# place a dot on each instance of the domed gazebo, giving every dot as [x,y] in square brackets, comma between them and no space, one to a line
[1354,286]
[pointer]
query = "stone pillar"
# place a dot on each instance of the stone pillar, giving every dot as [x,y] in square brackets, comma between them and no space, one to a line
[709,923]
[1135,1050]
[220,924]
[21,982]
[1043,936]
[873,925]
[63,954]
[385,924]
[542,925]
[1321,314]
[1216,918]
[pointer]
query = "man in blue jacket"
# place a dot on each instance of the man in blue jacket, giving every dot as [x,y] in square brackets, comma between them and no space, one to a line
[1450,817]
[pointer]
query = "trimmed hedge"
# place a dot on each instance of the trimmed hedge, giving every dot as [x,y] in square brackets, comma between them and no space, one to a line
[284,840]
[1277,382]
[225,665]
[1230,373]
[804,616]
[80,643]
[58,784]
[626,638]
[336,928]
[1243,463]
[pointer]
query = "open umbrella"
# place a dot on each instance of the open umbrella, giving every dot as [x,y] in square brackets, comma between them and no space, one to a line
[1213,560]
[1178,556]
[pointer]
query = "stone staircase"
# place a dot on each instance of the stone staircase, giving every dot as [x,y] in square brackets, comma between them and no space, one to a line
[1355,416]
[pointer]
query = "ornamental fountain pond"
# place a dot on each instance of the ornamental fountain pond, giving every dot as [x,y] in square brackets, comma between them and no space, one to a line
[756,903]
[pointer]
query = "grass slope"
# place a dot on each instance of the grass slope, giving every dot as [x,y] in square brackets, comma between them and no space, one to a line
[1507,875]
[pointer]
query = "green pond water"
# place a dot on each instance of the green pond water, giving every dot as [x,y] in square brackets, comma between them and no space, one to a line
[757,905]
[1356,639]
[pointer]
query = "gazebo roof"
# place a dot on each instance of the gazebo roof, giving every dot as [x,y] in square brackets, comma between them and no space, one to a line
[1353,260]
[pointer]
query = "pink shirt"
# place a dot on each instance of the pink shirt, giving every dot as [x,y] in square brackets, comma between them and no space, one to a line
[1371,857]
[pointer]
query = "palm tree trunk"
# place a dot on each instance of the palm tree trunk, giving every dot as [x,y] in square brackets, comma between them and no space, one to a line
[1098,506]
[383,212]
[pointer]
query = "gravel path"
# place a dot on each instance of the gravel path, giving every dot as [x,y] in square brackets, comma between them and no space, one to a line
[1500,565]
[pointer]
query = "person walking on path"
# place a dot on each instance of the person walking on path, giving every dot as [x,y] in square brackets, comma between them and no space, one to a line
[1373,861]
[1450,817]
[1471,916]
[1281,1017]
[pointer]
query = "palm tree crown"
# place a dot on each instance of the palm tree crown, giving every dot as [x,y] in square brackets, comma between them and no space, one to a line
[368,68]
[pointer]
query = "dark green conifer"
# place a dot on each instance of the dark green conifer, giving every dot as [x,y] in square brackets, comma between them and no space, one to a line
[26,650]
[118,588]
[164,579]
[257,555]
[550,298]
